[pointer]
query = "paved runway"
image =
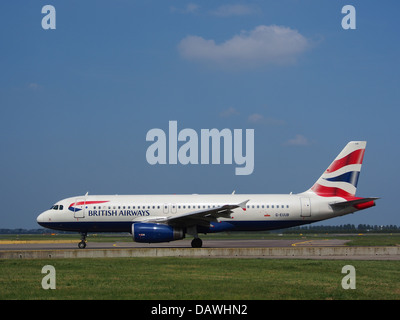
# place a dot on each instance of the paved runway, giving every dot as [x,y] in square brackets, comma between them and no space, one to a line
[185,243]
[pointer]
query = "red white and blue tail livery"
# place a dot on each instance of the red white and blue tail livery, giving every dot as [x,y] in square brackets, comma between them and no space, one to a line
[341,177]
[164,218]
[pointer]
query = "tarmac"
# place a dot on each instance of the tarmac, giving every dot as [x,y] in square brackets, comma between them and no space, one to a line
[266,249]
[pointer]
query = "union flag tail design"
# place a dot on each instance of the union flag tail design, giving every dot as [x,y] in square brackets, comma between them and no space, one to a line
[341,177]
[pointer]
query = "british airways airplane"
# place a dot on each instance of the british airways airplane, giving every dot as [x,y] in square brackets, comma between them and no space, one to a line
[164,218]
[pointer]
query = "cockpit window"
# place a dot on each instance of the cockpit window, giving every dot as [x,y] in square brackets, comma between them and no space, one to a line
[57,207]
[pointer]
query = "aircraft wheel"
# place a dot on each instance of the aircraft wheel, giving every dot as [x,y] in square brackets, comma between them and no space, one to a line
[197,243]
[82,245]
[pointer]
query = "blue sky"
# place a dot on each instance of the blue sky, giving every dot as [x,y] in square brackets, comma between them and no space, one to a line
[76,102]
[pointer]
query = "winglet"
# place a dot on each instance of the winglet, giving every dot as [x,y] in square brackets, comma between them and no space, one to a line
[243,204]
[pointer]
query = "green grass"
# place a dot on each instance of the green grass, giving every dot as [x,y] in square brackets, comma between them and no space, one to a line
[186,278]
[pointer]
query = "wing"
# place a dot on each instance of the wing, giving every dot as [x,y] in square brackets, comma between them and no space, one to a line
[200,217]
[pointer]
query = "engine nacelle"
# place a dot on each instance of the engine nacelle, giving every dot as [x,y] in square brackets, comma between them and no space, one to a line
[153,232]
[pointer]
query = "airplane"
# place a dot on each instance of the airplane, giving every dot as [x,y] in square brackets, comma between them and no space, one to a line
[165,218]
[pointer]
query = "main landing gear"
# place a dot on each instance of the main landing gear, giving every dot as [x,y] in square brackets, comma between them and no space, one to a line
[82,244]
[197,243]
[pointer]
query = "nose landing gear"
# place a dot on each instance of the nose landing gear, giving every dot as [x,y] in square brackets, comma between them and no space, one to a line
[82,244]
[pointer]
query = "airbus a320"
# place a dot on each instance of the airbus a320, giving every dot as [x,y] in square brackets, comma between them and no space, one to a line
[164,218]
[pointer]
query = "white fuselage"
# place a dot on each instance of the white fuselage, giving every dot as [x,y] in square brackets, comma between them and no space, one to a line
[103,213]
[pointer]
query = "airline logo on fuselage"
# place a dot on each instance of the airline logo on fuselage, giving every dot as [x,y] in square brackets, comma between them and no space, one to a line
[72,206]
[106,213]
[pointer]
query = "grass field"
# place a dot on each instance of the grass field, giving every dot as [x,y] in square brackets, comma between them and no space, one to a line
[192,279]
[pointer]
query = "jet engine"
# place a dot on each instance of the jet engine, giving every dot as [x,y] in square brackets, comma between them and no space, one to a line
[154,232]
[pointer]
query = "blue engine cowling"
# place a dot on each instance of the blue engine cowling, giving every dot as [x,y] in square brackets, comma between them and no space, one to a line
[154,232]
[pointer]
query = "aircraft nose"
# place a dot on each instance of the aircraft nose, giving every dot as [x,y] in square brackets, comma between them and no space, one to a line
[41,218]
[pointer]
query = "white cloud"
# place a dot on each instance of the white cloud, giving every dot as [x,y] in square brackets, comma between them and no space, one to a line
[233,10]
[229,112]
[257,118]
[261,46]
[189,8]
[299,140]
[34,86]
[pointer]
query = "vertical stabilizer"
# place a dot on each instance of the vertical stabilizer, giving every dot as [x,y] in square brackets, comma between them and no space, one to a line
[341,177]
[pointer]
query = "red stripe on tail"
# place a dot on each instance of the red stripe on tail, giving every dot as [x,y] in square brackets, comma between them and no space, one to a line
[356,157]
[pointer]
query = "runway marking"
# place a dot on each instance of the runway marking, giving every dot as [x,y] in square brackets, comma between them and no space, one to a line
[300,243]
[315,243]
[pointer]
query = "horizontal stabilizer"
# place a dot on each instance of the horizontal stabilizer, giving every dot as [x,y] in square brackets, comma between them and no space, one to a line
[361,203]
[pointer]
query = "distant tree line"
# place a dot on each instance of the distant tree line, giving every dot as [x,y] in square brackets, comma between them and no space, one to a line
[345,228]
[29,231]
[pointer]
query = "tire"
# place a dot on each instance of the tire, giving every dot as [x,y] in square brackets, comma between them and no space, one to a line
[197,243]
[82,245]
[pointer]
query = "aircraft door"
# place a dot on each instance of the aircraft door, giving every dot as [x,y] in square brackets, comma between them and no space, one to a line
[79,208]
[305,207]
[166,209]
[173,208]
[169,208]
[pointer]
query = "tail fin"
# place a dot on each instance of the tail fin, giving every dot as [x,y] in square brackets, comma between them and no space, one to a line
[341,177]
